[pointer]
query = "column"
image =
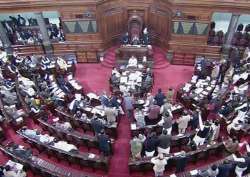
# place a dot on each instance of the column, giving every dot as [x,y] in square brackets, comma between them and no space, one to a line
[4,38]
[230,32]
[48,49]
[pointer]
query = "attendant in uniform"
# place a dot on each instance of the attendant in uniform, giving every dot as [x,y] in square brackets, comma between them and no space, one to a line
[132,62]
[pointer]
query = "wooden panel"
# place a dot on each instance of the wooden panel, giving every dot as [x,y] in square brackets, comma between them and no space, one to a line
[159,24]
[113,23]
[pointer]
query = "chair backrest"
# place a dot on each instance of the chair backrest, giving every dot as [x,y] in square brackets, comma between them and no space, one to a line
[135,24]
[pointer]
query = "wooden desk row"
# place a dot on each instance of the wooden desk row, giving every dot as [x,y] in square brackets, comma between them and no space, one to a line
[72,136]
[111,130]
[83,159]
[189,174]
[42,167]
[202,153]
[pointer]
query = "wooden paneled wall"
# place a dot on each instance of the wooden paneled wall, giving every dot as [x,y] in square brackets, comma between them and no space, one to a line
[112,17]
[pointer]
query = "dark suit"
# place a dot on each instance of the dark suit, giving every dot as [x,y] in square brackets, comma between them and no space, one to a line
[104,144]
[159,97]
[164,141]
[97,126]
[181,162]
[150,144]
[224,170]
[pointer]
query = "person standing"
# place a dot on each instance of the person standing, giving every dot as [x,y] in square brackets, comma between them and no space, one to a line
[160,97]
[104,143]
[129,105]
[159,164]
[164,142]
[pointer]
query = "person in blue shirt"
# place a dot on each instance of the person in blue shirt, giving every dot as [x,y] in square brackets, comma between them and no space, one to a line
[159,98]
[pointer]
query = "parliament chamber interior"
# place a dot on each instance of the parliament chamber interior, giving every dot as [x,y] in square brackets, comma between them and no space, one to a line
[124,88]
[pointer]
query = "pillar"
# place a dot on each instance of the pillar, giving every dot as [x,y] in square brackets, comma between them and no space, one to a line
[4,38]
[230,32]
[47,46]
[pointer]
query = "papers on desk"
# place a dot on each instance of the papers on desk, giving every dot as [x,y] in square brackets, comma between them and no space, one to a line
[133,77]
[177,153]
[194,172]
[140,101]
[91,156]
[140,66]
[187,87]
[204,92]
[209,88]
[173,108]
[92,96]
[196,98]
[133,126]
[15,165]
[123,88]
[198,90]
[124,79]
[87,109]
[98,111]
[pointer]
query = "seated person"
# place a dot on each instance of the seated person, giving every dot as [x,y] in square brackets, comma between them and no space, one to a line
[240,168]
[114,80]
[66,87]
[12,170]
[132,62]
[76,104]
[73,83]
[63,145]
[62,64]
[213,171]
[64,125]
[135,41]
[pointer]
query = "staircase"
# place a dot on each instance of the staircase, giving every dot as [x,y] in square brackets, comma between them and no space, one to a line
[159,58]
[109,58]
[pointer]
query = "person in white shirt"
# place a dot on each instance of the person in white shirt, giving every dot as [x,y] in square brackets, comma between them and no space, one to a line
[12,172]
[240,168]
[183,123]
[159,164]
[132,62]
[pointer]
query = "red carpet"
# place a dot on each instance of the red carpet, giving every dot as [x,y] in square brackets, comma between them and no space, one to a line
[95,78]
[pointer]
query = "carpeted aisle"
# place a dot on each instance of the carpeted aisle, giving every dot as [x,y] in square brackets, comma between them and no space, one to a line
[95,77]
[119,161]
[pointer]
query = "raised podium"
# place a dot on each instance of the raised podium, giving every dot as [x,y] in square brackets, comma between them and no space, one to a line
[139,51]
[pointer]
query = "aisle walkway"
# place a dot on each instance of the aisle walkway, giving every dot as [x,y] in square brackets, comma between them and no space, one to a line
[94,78]
[119,161]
